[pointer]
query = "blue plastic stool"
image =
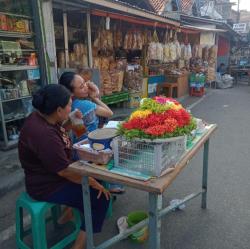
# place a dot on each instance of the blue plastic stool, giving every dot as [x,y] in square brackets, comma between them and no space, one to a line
[37,211]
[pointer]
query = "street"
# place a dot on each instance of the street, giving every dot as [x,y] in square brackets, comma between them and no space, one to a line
[226,222]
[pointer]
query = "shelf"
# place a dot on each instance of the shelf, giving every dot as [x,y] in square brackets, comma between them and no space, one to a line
[15,119]
[23,50]
[115,98]
[8,100]
[10,144]
[15,34]
[16,68]
[15,15]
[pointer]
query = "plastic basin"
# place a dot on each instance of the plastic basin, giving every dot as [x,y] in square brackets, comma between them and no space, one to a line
[134,218]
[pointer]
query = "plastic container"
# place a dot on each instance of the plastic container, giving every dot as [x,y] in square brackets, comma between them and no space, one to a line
[134,218]
[90,155]
[100,139]
[150,157]
[78,126]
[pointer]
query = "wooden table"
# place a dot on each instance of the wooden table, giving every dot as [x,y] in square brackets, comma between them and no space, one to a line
[182,83]
[155,188]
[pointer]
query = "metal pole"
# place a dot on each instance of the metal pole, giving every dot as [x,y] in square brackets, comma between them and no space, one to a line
[204,175]
[155,205]
[66,39]
[238,16]
[90,59]
[5,135]
[40,42]
[87,212]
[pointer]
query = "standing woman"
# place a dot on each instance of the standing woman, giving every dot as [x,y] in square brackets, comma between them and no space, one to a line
[45,152]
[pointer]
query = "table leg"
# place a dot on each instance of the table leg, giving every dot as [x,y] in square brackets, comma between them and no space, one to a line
[155,205]
[87,212]
[204,175]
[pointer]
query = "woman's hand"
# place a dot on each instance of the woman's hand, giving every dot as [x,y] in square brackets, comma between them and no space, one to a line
[96,185]
[93,90]
[78,114]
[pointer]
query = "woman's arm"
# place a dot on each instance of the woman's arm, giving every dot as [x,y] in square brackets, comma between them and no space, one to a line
[102,109]
[66,173]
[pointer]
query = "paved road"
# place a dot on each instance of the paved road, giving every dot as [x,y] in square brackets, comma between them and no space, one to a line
[226,222]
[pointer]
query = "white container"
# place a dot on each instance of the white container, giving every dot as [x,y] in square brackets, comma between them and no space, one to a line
[151,157]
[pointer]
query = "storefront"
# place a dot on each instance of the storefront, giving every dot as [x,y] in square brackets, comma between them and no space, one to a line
[123,50]
[20,74]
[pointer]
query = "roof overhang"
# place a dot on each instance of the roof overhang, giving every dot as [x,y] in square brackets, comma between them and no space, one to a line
[129,10]
[202,29]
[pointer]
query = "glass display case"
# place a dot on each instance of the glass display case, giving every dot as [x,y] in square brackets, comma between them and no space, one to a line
[19,70]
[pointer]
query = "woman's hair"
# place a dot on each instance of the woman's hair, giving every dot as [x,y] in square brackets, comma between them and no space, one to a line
[47,99]
[66,80]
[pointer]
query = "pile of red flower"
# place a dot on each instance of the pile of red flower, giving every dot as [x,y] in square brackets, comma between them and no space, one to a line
[158,118]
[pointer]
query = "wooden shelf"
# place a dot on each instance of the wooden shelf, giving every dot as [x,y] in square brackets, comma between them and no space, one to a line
[4,68]
[9,100]
[23,50]
[15,119]
[11,34]
[16,15]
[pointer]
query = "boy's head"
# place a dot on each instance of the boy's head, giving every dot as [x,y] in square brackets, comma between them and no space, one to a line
[85,73]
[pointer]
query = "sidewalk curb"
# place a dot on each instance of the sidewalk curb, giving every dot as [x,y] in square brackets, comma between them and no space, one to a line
[8,184]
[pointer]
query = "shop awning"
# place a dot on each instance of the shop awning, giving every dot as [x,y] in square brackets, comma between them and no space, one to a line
[199,28]
[130,10]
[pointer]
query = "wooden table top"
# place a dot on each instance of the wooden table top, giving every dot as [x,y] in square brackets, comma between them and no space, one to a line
[154,185]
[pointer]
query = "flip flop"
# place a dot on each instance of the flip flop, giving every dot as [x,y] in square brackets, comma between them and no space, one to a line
[122,224]
[116,189]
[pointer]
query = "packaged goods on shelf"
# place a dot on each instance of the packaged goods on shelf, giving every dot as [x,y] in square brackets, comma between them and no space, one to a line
[178,49]
[213,52]
[187,52]
[104,63]
[173,51]
[133,80]
[211,74]
[117,80]
[121,64]
[3,22]
[205,53]
[61,59]
[134,40]
[134,99]
[166,53]
[106,83]
[117,39]
[97,62]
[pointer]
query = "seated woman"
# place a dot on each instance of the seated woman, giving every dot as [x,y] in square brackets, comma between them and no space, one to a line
[45,152]
[89,108]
